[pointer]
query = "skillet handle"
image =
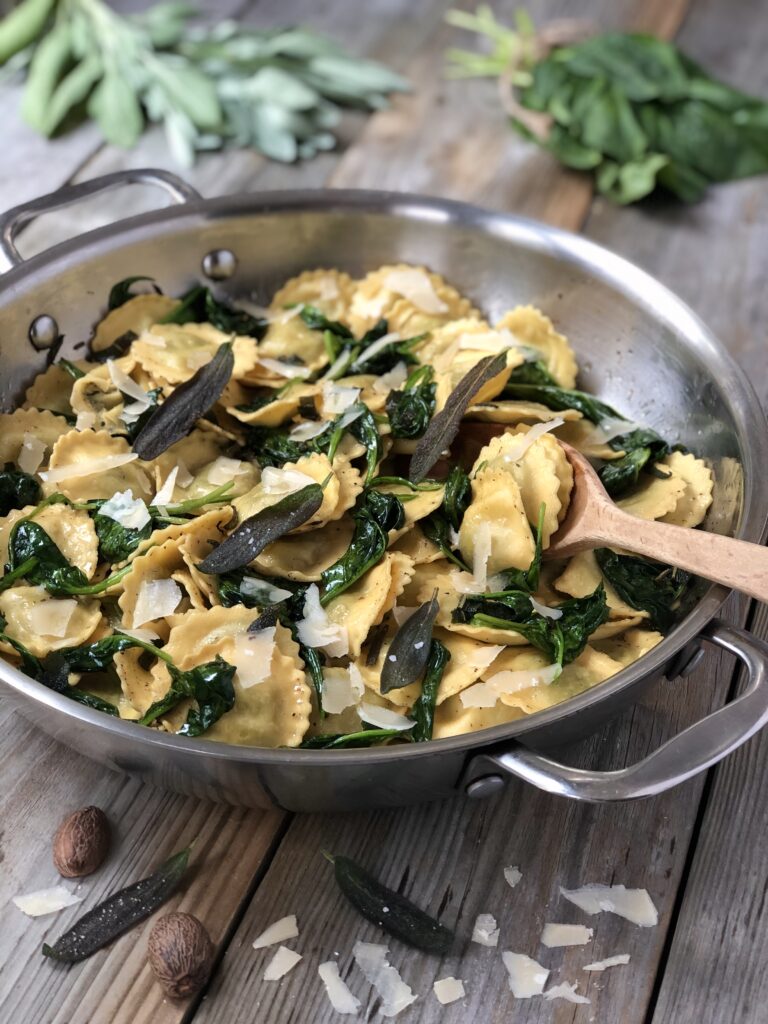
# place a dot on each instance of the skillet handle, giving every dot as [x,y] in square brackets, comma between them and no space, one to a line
[694,750]
[14,219]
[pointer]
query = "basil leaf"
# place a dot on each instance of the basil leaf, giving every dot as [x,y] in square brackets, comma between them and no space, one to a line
[645,585]
[410,648]
[444,427]
[121,292]
[255,533]
[174,419]
[423,711]
[17,489]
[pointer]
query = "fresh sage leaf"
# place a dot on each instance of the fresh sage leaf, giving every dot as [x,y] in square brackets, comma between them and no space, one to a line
[410,648]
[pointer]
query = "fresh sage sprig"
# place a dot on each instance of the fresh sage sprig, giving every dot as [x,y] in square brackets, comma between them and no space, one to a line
[632,108]
[278,91]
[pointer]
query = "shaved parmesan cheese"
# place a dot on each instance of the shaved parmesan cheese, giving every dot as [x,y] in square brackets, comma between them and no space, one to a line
[482,657]
[156,598]
[512,875]
[383,718]
[52,617]
[377,346]
[444,360]
[89,467]
[288,370]
[348,417]
[448,990]
[279,931]
[342,688]
[317,630]
[401,613]
[306,431]
[611,961]
[391,381]
[253,656]
[511,681]
[286,316]
[283,961]
[556,935]
[337,399]
[608,428]
[479,695]
[184,478]
[329,289]
[283,481]
[32,453]
[526,977]
[481,554]
[85,421]
[165,494]
[414,284]
[340,997]
[338,366]
[148,338]
[565,991]
[485,932]
[465,582]
[127,385]
[524,441]
[139,634]
[488,341]
[634,905]
[262,592]
[46,901]
[222,470]
[542,609]
[372,961]
[130,512]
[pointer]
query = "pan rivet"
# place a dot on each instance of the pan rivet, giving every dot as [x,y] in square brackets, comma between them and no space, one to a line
[485,786]
[43,332]
[219,264]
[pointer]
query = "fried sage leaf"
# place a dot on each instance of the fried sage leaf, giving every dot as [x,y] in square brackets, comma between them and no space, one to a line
[119,912]
[410,648]
[253,535]
[389,910]
[442,430]
[174,419]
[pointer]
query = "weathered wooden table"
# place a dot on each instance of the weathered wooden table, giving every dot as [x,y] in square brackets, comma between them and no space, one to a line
[699,849]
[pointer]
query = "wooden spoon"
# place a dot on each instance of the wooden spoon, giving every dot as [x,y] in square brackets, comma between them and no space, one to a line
[594,520]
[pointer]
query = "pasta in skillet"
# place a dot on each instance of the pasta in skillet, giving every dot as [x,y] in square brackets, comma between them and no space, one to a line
[322,524]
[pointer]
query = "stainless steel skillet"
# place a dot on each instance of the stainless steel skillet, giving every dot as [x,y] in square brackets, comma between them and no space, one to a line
[641,349]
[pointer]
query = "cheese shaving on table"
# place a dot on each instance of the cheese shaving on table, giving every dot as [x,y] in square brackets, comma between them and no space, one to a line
[414,284]
[524,441]
[51,617]
[527,978]
[284,481]
[337,399]
[155,600]
[611,961]
[32,453]
[223,469]
[306,431]
[342,688]
[263,592]
[283,961]
[340,997]
[512,875]
[89,467]
[392,380]
[278,931]
[634,905]
[253,656]
[46,901]
[556,935]
[448,990]
[566,991]
[126,510]
[395,994]
[383,718]
[485,932]
[315,629]
[165,495]
[288,370]
[377,346]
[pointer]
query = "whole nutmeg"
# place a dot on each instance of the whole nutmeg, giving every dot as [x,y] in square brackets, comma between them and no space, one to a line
[81,842]
[180,954]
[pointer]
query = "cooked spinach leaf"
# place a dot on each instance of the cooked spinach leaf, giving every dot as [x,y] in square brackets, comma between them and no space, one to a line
[317,321]
[646,585]
[74,371]
[375,515]
[121,292]
[209,685]
[118,542]
[364,430]
[437,525]
[347,740]
[528,579]
[423,711]
[386,358]
[17,489]
[199,305]
[174,419]
[411,409]
[533,371]
[117,349]
[642,448]
[561,639]
[30,546]
[410,648]
[558,398]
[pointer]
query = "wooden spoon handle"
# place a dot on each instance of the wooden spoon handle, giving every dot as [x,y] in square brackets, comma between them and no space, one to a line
[736,563]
